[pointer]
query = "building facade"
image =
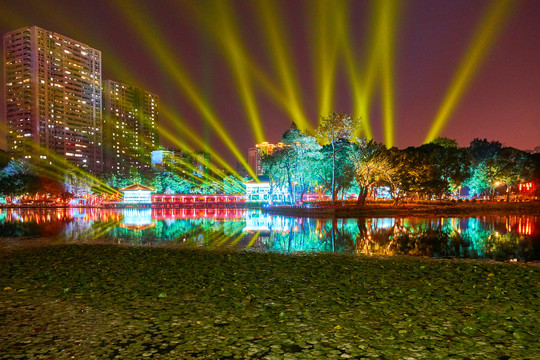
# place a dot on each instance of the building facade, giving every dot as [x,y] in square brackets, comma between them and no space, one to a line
[130,126]
[256,153]
[53,99]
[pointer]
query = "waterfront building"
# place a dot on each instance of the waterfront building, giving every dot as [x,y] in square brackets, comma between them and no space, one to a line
[137,194]
[262,191]
[130,126]
[52,87]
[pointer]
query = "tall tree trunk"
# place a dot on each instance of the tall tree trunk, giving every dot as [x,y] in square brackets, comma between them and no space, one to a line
[333,173]
[362,195]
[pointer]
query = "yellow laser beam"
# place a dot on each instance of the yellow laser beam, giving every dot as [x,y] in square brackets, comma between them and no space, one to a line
[325,53]
[282,58]
[253,239]
[156,46]
[55,166]
[483,38]
[389,14]
[362,82]
[231,40]
[296,113]
[183,128]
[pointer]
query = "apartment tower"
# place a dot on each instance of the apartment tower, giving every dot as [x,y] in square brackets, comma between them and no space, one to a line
[130,126]
[52,97]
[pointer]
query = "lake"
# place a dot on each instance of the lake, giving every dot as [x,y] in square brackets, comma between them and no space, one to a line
[510,237]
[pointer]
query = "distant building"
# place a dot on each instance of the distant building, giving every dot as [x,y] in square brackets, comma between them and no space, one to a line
[258,151]
[197,163]
[52,87]
[160,157]
[130,126]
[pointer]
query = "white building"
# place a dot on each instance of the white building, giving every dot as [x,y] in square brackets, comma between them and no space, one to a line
[137,194]
[260,191]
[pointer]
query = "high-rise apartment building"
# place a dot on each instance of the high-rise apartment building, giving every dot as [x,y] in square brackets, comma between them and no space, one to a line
[52,97]
[130,126]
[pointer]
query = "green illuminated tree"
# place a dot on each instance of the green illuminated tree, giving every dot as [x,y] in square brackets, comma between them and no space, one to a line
[494,165]
[19,178]
[233,185]
[336,130]
[339,172]
[514,166]
[304,152]
[291,165]
[171,183]
[450,166]
[483,166]
[280,166]
[370,161]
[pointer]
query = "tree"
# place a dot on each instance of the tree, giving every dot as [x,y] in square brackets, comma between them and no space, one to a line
[445,143]
[291,166]
[370,161]
[515,166]
[279,166]
[484,166]
[494,165]
[404,173]
[333,129]
[232,185]
[304,152]
[19,178]
[450,166]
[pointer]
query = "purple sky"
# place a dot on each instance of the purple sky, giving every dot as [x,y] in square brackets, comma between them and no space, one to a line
[502,102]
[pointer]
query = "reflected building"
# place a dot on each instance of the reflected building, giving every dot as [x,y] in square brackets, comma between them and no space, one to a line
[137,219]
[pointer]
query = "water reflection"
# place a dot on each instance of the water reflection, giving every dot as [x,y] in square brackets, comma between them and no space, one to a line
[492,237]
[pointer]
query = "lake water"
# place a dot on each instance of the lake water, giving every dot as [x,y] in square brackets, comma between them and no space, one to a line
[512,237]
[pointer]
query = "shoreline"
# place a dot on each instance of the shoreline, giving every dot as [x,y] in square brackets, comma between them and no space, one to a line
[409,209]
[436,209]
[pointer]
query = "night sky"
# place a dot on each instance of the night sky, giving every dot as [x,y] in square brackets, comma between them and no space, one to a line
[502,101]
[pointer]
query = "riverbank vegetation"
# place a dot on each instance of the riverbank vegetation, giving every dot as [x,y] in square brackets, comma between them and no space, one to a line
[334,162]
[337,162]
[75,301]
